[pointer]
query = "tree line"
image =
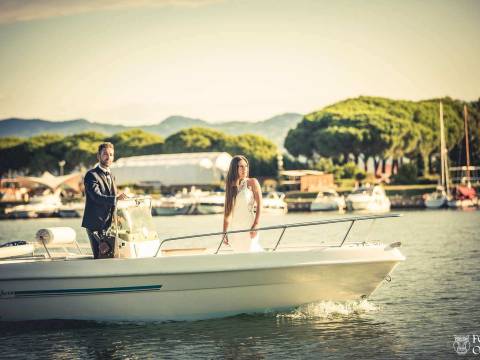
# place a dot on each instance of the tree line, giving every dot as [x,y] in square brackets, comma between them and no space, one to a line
[380,128]
[34,155]
[333,139]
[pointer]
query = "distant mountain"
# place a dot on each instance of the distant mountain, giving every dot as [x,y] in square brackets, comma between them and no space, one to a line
[275,128]
[32,127]
[173,124]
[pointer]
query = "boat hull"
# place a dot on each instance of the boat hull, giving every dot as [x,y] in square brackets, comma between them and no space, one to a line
[327,205]
[171,211]
[436,203]
[208,209]
[368,206]
[189,287]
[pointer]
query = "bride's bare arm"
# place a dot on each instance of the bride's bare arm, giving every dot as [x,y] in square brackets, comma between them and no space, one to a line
[226,221]
[257,194]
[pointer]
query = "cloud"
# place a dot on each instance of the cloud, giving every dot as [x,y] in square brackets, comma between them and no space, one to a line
[12,11]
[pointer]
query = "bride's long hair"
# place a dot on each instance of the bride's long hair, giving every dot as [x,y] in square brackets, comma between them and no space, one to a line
[231,188]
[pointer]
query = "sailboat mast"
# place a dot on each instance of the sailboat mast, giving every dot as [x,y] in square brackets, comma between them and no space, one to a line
[442,145]
[467,149]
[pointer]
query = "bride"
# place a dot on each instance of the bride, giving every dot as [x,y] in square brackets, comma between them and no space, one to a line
[243,202]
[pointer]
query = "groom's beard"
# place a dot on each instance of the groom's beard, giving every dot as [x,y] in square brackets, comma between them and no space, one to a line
[105,164]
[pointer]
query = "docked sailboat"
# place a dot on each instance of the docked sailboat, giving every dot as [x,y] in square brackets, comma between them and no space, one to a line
[436,200]
[440,196]
[463,194]
[153,279]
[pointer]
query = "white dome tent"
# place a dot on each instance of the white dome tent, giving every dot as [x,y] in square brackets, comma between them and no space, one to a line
[184,169]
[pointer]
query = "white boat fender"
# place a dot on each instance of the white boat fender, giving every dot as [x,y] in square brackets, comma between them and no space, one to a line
[56,236]
[393,245]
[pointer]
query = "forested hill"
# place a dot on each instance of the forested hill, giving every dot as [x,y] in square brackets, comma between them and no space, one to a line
[373,127]
[275,128]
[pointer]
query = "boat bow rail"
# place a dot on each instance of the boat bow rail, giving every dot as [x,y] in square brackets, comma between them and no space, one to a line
[351,219]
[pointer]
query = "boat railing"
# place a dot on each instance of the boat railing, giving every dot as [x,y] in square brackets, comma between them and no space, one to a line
[351,219]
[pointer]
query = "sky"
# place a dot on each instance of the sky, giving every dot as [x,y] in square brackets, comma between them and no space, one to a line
[139,61]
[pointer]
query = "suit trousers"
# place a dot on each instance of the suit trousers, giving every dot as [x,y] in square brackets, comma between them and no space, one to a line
[93,243]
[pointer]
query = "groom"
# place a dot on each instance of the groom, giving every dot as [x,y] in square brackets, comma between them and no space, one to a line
[101,196]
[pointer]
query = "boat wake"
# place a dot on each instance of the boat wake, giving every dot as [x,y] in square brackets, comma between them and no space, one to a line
[329,310]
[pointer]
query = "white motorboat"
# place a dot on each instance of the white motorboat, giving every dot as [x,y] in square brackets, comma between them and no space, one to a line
[437,199]
[210,203]
[274,202]
[326,200]
[173,205]
[368,198]
[152,281]
[71,210]
[39,206]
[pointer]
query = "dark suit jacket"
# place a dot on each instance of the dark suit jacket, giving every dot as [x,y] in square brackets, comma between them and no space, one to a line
[100,200]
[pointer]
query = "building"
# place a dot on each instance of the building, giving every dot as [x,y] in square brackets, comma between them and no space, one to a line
[207,169]
[305,180]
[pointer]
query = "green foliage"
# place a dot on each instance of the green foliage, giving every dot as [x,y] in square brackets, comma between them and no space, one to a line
[349,170]
[8,142]
[196,139]
[40,153]
[261,153]
[10,157]
[376,127]
[35,155]
[407,174]
[79,150]
[136,142]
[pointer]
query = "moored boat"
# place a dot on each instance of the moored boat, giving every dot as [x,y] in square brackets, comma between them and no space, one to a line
[437,199]
[368,199]
[274,202]
[463,197]
[327,200]
[210,203]
[173,205]
[39,206]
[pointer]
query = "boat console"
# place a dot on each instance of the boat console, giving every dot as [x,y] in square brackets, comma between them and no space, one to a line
[133,228]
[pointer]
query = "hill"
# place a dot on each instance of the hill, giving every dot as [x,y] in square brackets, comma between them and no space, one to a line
[275,128]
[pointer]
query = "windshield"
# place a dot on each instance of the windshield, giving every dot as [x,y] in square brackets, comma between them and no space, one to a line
[134,217]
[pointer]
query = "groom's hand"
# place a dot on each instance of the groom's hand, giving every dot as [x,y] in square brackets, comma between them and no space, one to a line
[122,196]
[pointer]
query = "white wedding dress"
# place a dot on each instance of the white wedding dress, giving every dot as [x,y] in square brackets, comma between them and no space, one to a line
[243,216]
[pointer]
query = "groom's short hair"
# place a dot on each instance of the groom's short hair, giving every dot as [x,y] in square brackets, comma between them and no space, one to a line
[105,145]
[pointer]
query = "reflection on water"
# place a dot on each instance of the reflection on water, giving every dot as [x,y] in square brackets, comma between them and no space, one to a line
[433,296]
[322,329]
